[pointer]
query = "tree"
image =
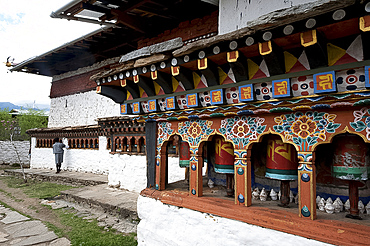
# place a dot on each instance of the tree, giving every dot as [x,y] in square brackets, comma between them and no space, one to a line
[16,127]
[31,119]
[7,124]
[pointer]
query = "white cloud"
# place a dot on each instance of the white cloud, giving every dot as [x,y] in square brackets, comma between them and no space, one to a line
[27,30]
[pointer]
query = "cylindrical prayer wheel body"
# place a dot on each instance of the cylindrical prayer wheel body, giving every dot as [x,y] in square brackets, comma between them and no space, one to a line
[184,154]
[281,161]
[350,162]
[224,159]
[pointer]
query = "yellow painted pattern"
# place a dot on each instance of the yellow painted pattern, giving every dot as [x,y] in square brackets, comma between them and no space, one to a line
[222,75]
[157,87]
[252,68]
[196,79]
[334,53]
[175,84]
[290,61]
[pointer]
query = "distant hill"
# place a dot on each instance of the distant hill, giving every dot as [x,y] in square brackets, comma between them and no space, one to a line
[10,106]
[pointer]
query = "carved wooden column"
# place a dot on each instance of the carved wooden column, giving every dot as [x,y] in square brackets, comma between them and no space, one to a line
[306,185]
[242,172]
[196,164]
[161,169]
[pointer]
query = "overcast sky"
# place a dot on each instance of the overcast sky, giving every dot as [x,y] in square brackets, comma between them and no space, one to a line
[27,30]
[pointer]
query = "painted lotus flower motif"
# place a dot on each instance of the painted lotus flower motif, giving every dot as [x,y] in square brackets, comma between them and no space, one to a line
[164,131]
[304,127]
[240,129]
[361,121]
[194,130]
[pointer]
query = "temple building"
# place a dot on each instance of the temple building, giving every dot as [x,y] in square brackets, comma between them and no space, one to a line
[240,122]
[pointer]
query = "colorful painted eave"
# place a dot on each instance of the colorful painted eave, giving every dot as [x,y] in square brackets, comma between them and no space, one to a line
[344,100]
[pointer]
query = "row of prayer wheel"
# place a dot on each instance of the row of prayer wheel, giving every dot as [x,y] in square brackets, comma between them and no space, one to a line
[349,163]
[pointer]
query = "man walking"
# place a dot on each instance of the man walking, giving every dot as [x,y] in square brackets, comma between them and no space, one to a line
[58,151]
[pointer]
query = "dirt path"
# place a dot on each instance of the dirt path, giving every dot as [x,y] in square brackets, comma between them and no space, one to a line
[28,206]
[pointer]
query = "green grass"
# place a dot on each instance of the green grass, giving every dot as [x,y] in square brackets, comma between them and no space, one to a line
[87,233]
[37,189]
[80,232]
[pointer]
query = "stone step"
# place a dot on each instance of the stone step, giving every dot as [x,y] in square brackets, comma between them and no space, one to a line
[120,203]
[64,177]
[95,192]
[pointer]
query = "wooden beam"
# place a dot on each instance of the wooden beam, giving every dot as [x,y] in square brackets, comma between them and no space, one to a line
[240,67]
[128,20]
[211,73]
[147,85]
[117,94]
[273,56]
[132,88]
[165,81]
[186,78]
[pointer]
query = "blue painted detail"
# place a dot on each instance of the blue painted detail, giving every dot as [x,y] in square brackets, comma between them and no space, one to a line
[217,96]
[241,198]
[305,177]
[281,88]
[240,171]
[224,170]
[327,86]
[173,103]
[193,117]
[281,176]
[193,192]
[152,102]
[158,163]
[367,80]
[245,112]
[156,186]
[320,106]
[246,93]
[305,211]
[193,167]
[192,103]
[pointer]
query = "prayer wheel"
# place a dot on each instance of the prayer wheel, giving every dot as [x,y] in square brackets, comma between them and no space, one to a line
[281,164]
[281,161]
[350,163]
[224,159]
[184,154]
[224,162]
[350,158]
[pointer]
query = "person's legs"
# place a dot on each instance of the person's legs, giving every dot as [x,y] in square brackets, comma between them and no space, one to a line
[58,161]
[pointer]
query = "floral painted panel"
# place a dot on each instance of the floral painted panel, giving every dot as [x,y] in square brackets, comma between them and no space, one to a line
[242,129]
[164,131]
[306,129]
[194,131]
[362,121]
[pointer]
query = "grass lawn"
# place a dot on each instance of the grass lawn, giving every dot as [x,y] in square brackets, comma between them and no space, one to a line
[80,232]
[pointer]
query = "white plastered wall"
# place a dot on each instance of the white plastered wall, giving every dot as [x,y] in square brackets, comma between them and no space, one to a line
[124,171]
[234,15]
[81,109]
[163,225]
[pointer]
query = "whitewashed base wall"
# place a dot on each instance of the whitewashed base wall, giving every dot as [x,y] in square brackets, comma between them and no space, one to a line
[8,152]
[162,225]
[81,109]
[124,171]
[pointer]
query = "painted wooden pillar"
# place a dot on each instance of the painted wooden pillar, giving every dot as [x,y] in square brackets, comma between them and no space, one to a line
[306,185]
[242,172]
[161,169]
[196,179]
[151,152]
